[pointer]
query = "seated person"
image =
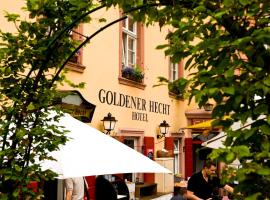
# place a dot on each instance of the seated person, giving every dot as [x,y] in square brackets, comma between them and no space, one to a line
[104,189]
[179,194]
[121,187]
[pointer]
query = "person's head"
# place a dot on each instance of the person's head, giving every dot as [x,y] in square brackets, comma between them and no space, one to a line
[179,191]
[209,168]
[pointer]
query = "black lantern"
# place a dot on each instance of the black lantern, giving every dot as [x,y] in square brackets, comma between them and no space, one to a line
[109,123]
[164,129]
[208,107]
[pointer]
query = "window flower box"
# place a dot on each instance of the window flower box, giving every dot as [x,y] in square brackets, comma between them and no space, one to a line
[178,88]
[133,73]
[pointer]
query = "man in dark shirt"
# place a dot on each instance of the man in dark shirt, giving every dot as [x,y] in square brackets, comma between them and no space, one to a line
[204,184]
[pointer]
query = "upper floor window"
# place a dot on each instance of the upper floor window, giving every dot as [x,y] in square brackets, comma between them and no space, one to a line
[75,63]
[176,84]
[77,35]
[129,40]
[131,53]
[174,71]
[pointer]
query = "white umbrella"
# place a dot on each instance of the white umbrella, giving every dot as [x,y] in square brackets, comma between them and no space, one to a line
[215,142]
[91,152]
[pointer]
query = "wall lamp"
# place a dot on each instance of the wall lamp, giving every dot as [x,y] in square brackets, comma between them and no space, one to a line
[208,106]
[163,129]
[109,123]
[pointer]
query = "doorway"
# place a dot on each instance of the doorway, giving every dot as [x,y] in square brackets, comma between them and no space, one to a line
[132,142]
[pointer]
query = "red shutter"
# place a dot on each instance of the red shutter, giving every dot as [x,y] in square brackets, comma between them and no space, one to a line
[91,181]
[149,146]
[188,157]
[169,145]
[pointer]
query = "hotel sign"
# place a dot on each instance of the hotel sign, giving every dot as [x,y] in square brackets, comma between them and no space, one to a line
[139,105]
[75,104]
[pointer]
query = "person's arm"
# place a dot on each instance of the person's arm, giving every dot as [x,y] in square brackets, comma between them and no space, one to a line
[69,188]
[228,188]
[68,194]
[191,195]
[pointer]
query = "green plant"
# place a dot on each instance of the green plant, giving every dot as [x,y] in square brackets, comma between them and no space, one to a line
[134,74]
[177,87]
[138,74]
[31,65]
[229,64]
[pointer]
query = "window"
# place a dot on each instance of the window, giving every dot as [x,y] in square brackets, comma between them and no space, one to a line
[174,74]
[176,70]
[129,40]
[75,63]
[132,142]
[131,53]
[176,152]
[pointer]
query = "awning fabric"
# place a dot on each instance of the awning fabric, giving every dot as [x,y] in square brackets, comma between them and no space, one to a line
[216,142]
[204,125]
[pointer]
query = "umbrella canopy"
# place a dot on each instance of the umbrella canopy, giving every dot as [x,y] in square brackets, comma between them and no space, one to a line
[204,125]
[215,142]
[91,152]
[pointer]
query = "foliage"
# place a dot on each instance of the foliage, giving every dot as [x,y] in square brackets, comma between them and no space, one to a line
[226,44]
[178,87]
[133,73]
[30,63]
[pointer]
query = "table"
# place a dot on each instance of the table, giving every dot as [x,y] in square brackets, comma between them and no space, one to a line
[120,196]
[145,189]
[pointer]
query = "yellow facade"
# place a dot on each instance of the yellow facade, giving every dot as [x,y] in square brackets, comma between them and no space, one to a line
[101,58]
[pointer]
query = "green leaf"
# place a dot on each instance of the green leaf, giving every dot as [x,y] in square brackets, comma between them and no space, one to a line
[228,3]
[241,151]
[244,2]
[12,17]
[18,168]
[219,15]
[230,157]
[266,80]
[253,196]
[102,20]
[162,46]
[229,73]
[200,8]
[16,193]
[265,129]
[237,100]
[213,91]
[31,106]
[229,90]
[264,171]
[260,109]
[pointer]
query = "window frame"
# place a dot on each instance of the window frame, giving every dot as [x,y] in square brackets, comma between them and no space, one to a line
[77,66]
[139,56]
[176,158]
[130,35]
[174,71]
[180,74]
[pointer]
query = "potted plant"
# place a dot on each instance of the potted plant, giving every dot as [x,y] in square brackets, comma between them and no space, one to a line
[178,87]
[138,74]
[133,73]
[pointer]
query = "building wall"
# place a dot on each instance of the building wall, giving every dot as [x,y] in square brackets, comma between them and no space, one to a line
[101,61]
[101,58]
